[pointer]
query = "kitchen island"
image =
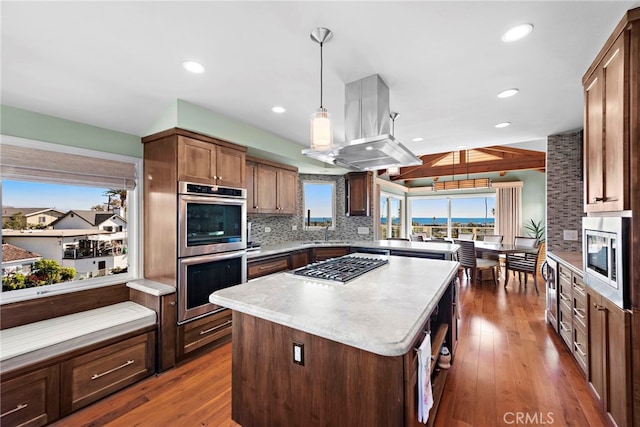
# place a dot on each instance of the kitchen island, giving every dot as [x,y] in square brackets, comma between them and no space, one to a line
[353,344]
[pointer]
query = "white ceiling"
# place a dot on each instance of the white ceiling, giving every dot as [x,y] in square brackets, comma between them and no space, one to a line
[117,65]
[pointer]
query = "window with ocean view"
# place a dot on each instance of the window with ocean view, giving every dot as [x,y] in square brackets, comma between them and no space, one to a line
[448,217]
[391,212]
[319,204]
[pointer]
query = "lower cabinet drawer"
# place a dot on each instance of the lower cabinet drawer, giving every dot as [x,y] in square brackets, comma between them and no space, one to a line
[31,399]
[201,332]
[94,375]
[580,349]
[580,314]
[270,266]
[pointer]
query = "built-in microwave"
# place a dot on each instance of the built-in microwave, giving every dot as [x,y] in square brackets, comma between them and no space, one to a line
[605,255]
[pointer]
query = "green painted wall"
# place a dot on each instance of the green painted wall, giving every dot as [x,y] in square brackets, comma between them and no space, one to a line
[40,127]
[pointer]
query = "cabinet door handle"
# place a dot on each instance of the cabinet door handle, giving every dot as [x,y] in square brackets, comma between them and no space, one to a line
[220,178]
[599,307]
[579,348]
[124,365]
[215,328]
[16,409]
[599,199]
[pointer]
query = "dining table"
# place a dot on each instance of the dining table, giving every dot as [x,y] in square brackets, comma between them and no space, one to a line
[503,248]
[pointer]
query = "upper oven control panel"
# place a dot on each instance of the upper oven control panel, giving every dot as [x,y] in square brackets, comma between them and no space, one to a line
[212,190]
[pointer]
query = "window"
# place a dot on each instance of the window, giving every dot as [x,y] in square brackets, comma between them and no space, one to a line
[319,204]
[391,216]
[81,243]
[448,216]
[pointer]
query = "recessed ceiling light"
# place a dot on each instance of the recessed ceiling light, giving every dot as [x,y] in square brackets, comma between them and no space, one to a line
[517,32]
[194,67]
[368,148]
[507,93]
[418,139]
[277,109]
[503,125]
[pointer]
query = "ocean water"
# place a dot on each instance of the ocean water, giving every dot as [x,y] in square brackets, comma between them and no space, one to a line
[443,221]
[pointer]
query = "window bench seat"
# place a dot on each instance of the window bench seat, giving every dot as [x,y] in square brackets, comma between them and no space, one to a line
[34,342]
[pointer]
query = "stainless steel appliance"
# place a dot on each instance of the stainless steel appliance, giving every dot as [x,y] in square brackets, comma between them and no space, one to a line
[550,274]
[211,219]
[201,276]
[212,242]
[605,255]
[342,269]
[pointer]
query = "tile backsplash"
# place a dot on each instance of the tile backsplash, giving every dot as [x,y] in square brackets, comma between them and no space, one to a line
[281,226]
[565,192]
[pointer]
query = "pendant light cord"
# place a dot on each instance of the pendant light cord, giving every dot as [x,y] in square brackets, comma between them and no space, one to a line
[321,74]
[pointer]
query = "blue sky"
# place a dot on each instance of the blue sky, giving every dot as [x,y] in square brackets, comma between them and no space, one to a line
[318,198]
[62,197]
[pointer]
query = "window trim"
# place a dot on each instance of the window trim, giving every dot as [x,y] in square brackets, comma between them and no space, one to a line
[134,216]
[333,205]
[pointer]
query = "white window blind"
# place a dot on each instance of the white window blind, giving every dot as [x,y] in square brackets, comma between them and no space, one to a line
[30,164]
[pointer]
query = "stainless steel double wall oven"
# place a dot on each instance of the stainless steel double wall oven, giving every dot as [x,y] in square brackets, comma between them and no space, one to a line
[212,242]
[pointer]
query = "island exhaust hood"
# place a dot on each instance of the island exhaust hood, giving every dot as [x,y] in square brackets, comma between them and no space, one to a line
[368,144]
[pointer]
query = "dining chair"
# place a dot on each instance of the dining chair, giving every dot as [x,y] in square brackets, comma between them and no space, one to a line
[466,236]
[468,259]
[525,265]
[494,238]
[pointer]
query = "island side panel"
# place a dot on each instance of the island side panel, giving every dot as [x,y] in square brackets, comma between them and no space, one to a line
[337,385]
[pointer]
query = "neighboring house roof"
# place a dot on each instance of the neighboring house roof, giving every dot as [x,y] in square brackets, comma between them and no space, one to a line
[93,218]
[12,253]
[10,210]
[53,233]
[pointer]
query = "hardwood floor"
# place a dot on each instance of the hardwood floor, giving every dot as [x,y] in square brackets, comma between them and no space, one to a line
[510,369]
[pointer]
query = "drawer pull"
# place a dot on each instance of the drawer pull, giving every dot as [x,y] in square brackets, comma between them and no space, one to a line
[124,365]
[215,328]
[16,409]
[579,312]
[579,289]
[579,348]
[564,297]
[563,326]
[269,267]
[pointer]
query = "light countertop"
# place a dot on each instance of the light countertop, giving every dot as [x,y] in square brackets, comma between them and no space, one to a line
[573,259]
[447,248]
[380,311]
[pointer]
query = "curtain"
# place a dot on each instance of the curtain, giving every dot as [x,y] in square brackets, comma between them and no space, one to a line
[508,209]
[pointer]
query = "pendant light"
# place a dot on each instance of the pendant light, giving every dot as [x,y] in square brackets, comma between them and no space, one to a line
[393,170]
[321,132]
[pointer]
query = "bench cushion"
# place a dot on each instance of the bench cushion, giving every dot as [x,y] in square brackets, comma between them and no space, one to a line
[34,342]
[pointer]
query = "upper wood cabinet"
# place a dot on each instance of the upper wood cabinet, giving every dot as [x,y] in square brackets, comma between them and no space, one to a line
[271,187]
[610,91]
[207,163]
[357,193]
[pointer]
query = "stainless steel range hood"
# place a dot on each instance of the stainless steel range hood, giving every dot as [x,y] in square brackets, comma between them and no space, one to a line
[368,143]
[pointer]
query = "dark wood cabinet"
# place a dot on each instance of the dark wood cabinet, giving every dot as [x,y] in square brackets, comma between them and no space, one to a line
[358,193]
[204,331]
[298,259]
[270,265]
[99,373]
[271,187]
[31,399]
[611,94]
[322,254]
[207,163]
[609,357]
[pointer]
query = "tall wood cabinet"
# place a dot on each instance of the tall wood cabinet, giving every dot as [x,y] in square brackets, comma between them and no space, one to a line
[609,338]
[611,98]
[171,156]
[272,188]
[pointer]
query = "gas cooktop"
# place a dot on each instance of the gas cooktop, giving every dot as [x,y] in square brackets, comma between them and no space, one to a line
[342,269]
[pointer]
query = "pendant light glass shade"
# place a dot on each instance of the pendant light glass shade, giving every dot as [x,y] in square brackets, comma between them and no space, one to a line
[321,132]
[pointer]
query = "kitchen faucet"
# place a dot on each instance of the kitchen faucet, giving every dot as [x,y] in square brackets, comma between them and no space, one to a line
[326,232]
